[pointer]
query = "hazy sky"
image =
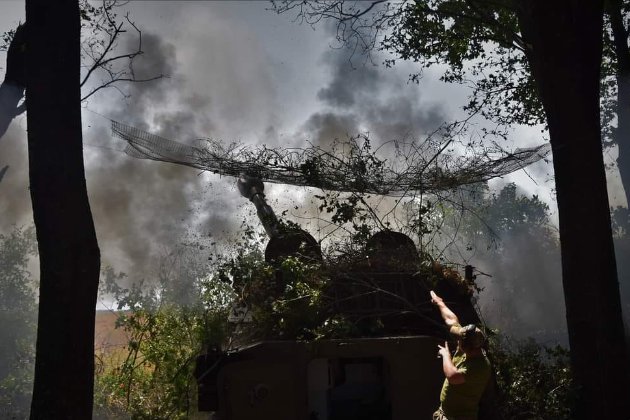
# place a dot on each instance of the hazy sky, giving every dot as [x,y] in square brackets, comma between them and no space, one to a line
[236,73]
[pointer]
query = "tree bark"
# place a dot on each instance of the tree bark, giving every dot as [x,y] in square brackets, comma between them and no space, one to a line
[622,133]
[565,51]
[68,250]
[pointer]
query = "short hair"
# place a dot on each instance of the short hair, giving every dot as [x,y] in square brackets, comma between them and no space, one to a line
[470,335]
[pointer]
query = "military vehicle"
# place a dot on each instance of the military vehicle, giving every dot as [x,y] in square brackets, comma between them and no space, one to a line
[392,375]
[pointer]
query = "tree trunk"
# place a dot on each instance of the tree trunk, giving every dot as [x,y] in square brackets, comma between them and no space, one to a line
[622,133]
[565,39]
[68,250]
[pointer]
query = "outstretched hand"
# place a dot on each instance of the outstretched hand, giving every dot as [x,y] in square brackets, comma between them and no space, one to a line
[448,316]
[444,352]
[435,299]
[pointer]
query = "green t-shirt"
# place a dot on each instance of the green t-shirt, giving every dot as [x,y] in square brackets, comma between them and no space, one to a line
[463,400]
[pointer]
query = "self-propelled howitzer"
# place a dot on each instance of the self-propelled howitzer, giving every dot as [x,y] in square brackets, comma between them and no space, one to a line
[385,370]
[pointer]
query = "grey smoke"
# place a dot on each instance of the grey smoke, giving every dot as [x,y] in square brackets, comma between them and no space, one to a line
[144,209]
[524,296]
[518,263]
[350,83]
[390,108]
[324,128]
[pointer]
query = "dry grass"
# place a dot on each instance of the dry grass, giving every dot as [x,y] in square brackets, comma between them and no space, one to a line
[109,340]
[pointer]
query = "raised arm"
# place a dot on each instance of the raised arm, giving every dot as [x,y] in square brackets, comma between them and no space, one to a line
[447,315]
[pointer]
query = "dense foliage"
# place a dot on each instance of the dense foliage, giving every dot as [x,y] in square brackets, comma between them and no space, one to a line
[167,326]
[18,317]
[533,380]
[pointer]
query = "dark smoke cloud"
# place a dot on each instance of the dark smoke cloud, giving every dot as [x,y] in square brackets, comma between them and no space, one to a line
[350,85]
[142,208]
[361,98]
[218,84]
[324,128]
[387,106]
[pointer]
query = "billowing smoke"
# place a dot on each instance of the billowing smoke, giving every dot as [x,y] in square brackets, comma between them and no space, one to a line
[219,83]
[143,209]
[524,296]
[361,97]
[507,235]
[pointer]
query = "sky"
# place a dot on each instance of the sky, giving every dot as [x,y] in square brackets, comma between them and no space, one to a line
[236,72]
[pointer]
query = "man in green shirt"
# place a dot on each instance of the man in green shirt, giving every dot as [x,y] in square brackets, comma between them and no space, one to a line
[467,372]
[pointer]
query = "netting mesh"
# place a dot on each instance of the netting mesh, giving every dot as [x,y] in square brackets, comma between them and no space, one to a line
[351,166]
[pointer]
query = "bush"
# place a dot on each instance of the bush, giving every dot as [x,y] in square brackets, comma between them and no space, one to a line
[18,318]
[152,378]
[534,381]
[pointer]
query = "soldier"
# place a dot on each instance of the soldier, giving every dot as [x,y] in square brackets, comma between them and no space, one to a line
[467,372]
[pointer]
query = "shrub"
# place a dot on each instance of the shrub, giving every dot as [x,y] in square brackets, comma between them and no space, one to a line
[533,380]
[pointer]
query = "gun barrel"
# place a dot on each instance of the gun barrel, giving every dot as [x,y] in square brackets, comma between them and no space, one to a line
[252,188]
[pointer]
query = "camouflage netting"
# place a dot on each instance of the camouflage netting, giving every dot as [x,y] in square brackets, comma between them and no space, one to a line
[350,166]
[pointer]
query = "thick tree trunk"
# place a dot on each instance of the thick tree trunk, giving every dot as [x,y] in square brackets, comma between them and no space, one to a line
[68,250]
[565,38]
[622,134]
